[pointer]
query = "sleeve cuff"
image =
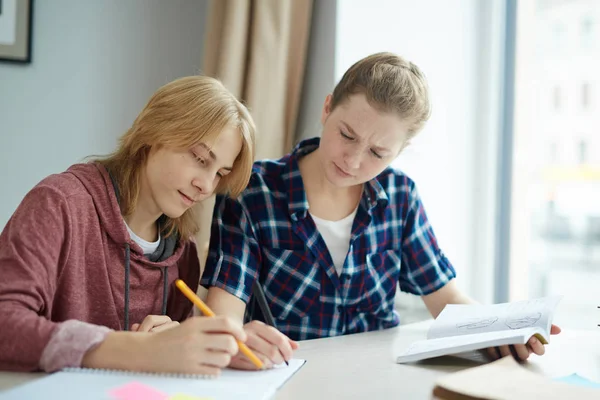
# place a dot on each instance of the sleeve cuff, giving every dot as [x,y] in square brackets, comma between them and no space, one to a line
[69,343]
[444,274]
[240,294]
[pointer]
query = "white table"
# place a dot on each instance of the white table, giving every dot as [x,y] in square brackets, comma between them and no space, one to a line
[362,366]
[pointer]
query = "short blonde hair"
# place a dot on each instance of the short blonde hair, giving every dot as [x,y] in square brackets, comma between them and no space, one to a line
[180,115]
[390,84]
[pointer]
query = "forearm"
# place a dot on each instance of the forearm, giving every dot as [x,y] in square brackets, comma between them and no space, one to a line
[118,350]
[449,294]
[460,298]
[224,303]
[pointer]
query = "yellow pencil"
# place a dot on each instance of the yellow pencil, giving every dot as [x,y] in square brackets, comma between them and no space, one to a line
[187,292]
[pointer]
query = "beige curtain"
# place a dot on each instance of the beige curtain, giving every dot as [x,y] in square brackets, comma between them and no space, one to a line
[257,48]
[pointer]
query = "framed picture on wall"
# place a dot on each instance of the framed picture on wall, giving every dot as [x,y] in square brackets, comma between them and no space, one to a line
[16,18]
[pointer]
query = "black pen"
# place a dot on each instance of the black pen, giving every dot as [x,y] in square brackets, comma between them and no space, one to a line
[258,293]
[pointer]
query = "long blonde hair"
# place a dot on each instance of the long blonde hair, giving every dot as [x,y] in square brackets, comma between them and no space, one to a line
[180,115]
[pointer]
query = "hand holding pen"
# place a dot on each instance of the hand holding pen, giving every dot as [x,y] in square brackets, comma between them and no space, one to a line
[264,345]
[272,346]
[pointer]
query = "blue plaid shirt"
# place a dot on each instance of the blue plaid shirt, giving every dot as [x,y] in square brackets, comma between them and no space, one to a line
[267,234]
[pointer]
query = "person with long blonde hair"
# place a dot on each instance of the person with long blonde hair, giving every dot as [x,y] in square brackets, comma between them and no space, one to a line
[89,258]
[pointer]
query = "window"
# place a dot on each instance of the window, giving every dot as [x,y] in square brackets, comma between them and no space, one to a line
[558,35]
[585,96]
[582,150]
[553,158]
[556,98]
[555,207]
[587,32]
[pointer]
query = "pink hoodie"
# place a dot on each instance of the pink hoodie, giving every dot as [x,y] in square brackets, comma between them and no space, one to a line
[67,266]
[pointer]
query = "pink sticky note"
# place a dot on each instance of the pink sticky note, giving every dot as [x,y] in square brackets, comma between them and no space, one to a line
[137,391]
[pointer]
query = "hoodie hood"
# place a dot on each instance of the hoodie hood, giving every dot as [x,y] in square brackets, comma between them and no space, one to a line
[103,190]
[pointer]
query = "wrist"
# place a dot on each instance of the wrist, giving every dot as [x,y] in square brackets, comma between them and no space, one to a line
[119,350]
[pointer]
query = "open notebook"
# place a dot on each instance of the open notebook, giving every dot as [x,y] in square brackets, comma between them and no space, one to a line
[463,328]
[89,384]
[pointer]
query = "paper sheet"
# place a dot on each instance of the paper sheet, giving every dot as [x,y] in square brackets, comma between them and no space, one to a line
[95,385]
[469,319]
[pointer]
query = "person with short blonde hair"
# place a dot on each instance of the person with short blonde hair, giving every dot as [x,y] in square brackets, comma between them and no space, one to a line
[331,230]
[390,84]
[89,258]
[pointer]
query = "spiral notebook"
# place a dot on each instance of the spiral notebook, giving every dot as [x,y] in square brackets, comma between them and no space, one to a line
[91,384]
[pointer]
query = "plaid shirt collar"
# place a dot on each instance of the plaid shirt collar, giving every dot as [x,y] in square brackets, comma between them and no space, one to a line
[373,194]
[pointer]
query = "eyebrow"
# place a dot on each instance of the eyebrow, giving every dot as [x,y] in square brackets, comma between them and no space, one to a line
[376,148]
[213,155]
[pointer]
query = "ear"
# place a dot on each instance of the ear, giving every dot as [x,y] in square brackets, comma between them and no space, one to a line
[326,109]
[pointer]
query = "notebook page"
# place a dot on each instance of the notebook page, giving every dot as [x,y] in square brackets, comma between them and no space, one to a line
[430,348]
[96,385]
[467,319]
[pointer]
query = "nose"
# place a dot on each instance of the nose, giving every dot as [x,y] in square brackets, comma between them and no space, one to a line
[204,184]
[352,159]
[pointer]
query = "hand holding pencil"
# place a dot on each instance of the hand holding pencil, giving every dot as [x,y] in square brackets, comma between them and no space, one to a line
[264,338]
[187,292]
[198,346]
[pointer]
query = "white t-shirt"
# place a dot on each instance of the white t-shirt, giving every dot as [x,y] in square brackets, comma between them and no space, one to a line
[147,247]
[336,235]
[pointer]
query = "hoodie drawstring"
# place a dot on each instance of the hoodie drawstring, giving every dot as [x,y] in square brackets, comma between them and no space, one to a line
[165,273]
[126,286]
[165,289]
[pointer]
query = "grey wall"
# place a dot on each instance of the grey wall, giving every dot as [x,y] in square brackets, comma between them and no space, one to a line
[95,64]
[319,78]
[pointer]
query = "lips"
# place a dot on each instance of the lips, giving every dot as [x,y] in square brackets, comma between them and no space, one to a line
[187,200]
[342,172]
